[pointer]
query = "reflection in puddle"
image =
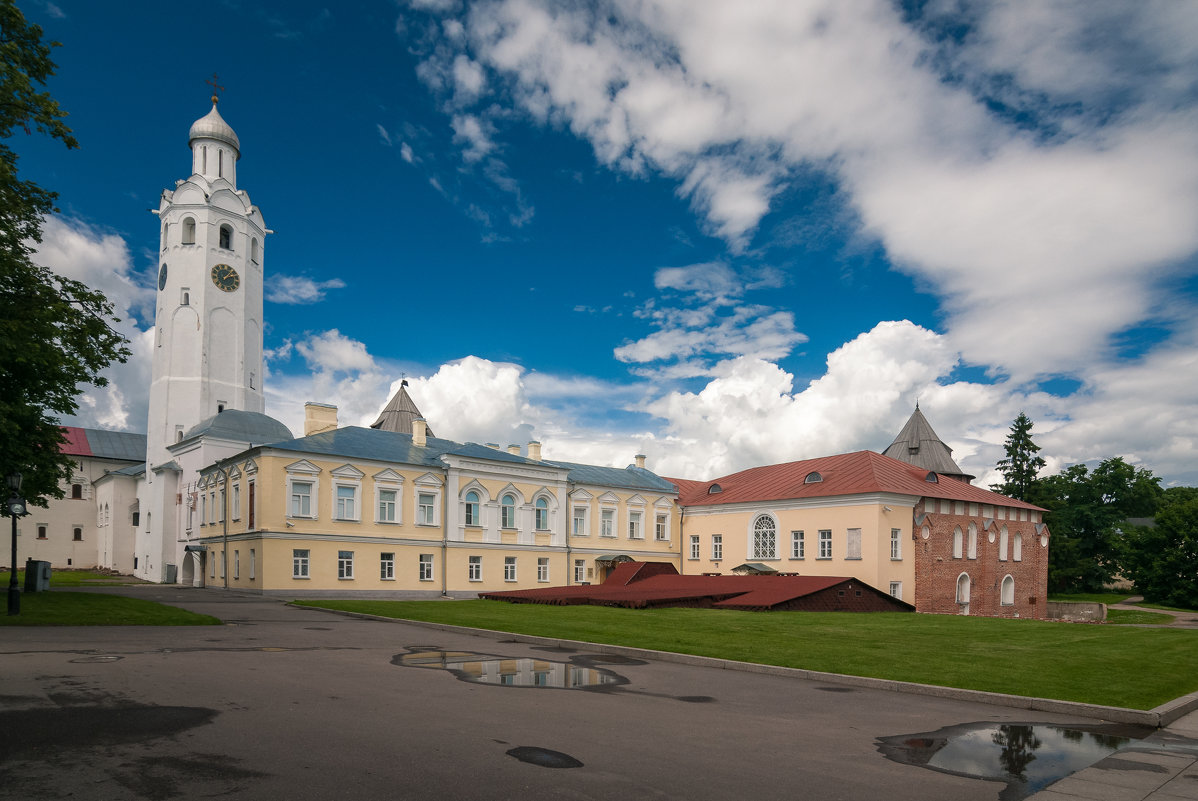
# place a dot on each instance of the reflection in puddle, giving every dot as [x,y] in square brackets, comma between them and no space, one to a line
[1028,757]
[524,672]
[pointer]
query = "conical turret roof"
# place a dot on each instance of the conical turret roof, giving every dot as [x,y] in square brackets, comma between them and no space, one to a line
[399,413]
[918,444]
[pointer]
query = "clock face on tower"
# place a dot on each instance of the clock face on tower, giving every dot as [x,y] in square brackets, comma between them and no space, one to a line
[162,277]
[225,277]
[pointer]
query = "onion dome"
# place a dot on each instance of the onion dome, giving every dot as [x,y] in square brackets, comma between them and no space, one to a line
[213,126]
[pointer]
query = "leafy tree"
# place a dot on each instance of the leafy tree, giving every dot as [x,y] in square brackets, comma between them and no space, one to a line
[1086,514]
[55,333]
[1162,559]
[1021,465]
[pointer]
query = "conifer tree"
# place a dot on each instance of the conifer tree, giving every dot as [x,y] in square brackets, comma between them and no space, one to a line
[1021,464]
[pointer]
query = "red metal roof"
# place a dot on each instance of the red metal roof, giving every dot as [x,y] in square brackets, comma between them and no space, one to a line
[76,442]
[665,586]
[844,474]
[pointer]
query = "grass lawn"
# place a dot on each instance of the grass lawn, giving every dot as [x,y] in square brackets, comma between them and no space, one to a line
[1115,665]
[1092,597]
[72,578]
[94,609]
[1136,616]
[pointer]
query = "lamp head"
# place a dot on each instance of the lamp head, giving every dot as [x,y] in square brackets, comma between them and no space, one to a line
[14,482]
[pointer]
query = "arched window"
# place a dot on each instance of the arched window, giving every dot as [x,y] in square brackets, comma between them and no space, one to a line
[963,591]
[1017,547]
[813,478]
[472,518]
[226,237]
[765,538]
[254,250]
[542,514]
[189,231]
[507,511]
[166,235]
[973,540]
[1002,544]
[220,163]
[1007,596]
[957,542]
[77,491]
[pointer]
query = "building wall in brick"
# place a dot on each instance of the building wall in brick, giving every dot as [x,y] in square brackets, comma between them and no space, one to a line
[937,570]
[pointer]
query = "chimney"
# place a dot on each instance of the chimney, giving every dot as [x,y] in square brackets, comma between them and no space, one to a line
[318,418]
[493,446]
[419,432]
[514,450]
[534,451]
[640,460]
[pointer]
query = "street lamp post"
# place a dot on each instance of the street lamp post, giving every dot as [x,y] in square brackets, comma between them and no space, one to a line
[16,508]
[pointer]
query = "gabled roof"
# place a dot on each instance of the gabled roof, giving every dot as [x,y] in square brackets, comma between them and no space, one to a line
[120,445]
[355,442]
[918,444]
[399,413]
[844,474]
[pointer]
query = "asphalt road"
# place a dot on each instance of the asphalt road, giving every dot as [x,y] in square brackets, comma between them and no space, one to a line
[301,704]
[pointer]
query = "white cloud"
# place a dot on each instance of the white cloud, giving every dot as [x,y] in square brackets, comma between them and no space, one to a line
[384,137]
[1039,172]
[101,260]
[473,133]
[405,152]
[299,290]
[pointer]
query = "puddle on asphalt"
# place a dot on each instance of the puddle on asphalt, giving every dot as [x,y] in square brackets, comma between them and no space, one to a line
[543,757]
[1026,756]
[511,672]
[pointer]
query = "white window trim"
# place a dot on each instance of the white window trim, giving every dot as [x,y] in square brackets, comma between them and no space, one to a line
[663,507]
[510,575]
[349,563]
[307,563]
[432,567]
[586,520]
[798,537]
[303,472]
[636,524]
[717,547]
[898,594]
[896,545]
[750,538]
[824,541]
[848,544]
[427,485]
[390,562]
[470,565]
[615,517]
[694,549]
[347,476]
[390,481]
[543,570]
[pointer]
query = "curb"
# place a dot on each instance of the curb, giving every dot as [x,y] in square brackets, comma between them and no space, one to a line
[1156,718]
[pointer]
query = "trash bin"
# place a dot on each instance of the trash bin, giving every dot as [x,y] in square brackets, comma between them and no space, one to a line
[37,575]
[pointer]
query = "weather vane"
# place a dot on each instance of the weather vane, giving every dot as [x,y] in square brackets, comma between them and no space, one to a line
[216,87]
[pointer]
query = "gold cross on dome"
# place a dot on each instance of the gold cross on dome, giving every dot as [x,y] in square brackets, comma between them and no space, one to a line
[216,87]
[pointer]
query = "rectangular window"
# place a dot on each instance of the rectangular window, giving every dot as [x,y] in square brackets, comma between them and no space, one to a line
[301,498]
[896,543]
[634,525]
[236,501]
[221,514]
[426,567]
[661,528]
[474,569]
[543,569]
[694,546]
[580,521]
[852,544]
[509,568]
[387,506]
[41,532]
[347,503]
[387,566]
[507,515]
[958,507]
[717,547]
[798,545]
[345,564]
[580,571]
[250,503]
[896,589]
[825,544]
[607,523]
[211,559]
[222,564]
[540,516]
[253,563]
[426,508]
[236,564]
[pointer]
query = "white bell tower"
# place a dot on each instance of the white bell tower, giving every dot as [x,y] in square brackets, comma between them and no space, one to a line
[207,328]
[208,323]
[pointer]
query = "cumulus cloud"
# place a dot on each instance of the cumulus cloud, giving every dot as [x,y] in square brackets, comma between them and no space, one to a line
[298,290]
[1023,167]
[101,260]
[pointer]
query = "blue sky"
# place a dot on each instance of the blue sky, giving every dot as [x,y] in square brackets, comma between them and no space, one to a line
[720,234]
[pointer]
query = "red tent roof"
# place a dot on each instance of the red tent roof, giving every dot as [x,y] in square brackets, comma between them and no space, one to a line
[76,442]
